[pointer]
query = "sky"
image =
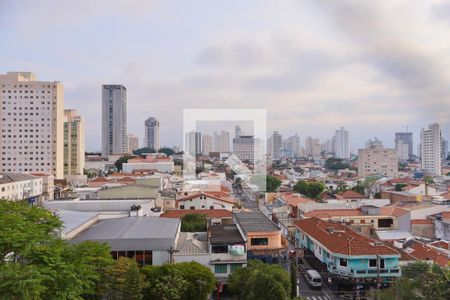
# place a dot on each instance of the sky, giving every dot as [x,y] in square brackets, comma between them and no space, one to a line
[315,65]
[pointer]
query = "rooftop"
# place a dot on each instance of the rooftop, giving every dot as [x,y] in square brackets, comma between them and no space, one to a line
[225,234]
[133,233]
[14,177]
[341,239]
[254,221]
[210,213]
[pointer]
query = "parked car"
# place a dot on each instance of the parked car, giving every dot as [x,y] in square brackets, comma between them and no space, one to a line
[313,279]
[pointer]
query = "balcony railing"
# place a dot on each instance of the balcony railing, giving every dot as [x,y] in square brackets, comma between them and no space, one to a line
[384,272]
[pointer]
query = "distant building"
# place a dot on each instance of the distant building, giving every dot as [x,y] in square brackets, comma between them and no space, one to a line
[193,143]
[74,146]
[293,143]
[21,186]
[237,131]
[133,143]
[152,133]
[342,143]
[431,147]
[444,150]
[207,144]
[32,124]
[221,141]
[404,145]
[246,147]
[114,119]
[276,144]
[377,160]
[312,147]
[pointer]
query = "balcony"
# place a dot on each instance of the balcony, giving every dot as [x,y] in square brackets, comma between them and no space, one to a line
[364,273]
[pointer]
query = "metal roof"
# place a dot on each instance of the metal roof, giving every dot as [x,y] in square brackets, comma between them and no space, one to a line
[13,177]
[133,233]
[254,221]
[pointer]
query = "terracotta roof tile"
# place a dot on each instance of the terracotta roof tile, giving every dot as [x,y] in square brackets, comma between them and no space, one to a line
[341,239]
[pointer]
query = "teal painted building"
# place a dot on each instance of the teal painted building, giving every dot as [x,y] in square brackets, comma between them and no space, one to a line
[345,252]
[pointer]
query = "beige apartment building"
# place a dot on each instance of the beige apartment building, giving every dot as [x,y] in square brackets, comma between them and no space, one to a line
[377,160]
[31,124]
[74,140]
[133,143]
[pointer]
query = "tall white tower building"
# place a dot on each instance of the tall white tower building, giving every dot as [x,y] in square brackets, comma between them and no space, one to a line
[431,147]
[342,143]
[207,144]
[31,124]
[152,133]
[114,119]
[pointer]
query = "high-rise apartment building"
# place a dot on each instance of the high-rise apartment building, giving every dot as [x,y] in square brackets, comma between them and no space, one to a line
[133,143]
[312,147]
[276,143]
[404,145]
[293,143]
[193,143]
[221,141]
[342,143]
[246,147]
[31,124]
[237,131]
[207,144]
[377,160]
[152,133]
[444,150]
[431,149]
[114,119]
[74,143]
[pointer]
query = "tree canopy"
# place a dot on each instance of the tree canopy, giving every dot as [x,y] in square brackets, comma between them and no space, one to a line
[335,164]
[166,151]
[119,163]
[178,281]
[311,189]
[193,223]
[36,264]
[144,150]
[260,281]
[266,183]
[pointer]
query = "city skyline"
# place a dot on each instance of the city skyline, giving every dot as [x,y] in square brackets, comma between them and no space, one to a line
[250,60]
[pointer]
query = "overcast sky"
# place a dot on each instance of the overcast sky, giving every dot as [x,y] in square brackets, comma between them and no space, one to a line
[315,65]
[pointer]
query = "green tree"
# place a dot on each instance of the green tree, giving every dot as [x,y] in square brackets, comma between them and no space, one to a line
[266,183]
[399,187]
[309,189]
[260,281]
[335,164]
[178,281]
[144,150]
[193,223]
[119,163]
[166,151]
[127,282]
[36,264]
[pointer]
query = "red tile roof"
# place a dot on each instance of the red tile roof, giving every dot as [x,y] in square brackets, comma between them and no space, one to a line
[330,213]
[351,195]
[392,210]
[421,221]
[210,213]
[295,199]
[423,252]
[339,238]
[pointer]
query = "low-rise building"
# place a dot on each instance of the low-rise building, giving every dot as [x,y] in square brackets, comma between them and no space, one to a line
[148,240]
[263,238]
[345,252]
[228,251]
[21,186]
[202,200]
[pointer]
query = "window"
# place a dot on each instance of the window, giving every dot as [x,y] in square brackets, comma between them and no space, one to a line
[372,263]
[181,206]
[234,267]
[342,262]
[220,269]
[259,242]
[219,249]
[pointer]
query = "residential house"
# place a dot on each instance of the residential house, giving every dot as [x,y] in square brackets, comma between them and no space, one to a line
[21,186]
[346,253]
[203,200]
[263,238]
[228,250]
